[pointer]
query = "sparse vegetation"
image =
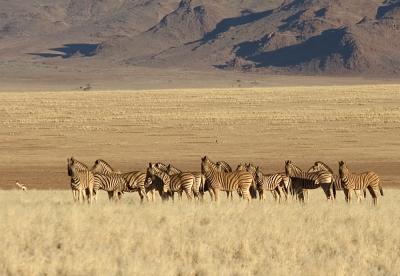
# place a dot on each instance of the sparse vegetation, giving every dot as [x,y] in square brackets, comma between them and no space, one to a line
[357,124]
[44,232]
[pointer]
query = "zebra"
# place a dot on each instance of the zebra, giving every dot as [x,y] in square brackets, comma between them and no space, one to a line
[111,183]
[199,177]
[81,180]
[225,181]
[301,180]
[136,180]
[173,183]
[74,186]
[224,166]
[337,183]
[269,182]
[350,182]
[281,187]
[253,187]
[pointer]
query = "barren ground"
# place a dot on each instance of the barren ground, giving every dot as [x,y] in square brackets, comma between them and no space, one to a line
[356,123]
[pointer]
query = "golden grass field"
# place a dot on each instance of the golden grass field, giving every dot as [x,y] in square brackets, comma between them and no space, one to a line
[45,233]
[355,123]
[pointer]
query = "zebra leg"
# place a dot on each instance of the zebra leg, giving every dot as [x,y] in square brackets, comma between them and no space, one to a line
[300,195]
[261,194]
[278,194]
[215,192]
[188,194]
[90,196]
[374,194]
[283,192]
[358,195]
[110,195]
[80,196]
[246,194]
[74,195]
[327,190]
[211,192]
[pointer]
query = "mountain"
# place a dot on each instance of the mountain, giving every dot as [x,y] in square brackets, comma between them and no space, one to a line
[291,36]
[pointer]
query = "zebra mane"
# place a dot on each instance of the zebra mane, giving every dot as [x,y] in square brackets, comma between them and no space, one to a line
[78,164]
[104,165]
[161,166]
[224,165]
[320,163]
[174,169]
[295,167]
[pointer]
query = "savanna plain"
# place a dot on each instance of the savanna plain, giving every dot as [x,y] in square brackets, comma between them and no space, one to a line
[43,232]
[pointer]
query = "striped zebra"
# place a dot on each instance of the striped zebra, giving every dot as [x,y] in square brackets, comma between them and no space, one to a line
[269,182]
[199,177]
[136,180]
[225,181]
[75,186]
[337,183]
[181,182]
[275,183]
[112,183]
[253,187]
[224,166]
[301,180]
[368,180]
[82,180]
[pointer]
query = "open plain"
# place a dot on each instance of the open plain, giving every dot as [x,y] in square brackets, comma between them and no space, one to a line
[358,124]
[45,233]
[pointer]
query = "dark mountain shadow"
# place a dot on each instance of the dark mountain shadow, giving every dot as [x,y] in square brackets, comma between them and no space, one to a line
[227,23]
[382,10]
[69,50]
[319,47]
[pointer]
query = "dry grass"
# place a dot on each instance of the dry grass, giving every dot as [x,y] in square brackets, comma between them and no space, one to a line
[359,124]
[44,233]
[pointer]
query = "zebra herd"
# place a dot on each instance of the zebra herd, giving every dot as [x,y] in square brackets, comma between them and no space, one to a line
[248,181]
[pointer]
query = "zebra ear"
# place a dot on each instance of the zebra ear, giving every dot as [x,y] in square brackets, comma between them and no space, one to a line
[150,165]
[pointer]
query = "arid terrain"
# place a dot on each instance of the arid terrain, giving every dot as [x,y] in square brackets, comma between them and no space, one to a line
[44,232]
[358,124]
[139,81]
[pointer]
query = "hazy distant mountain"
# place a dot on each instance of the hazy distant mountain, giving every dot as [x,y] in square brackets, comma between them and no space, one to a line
[308,36]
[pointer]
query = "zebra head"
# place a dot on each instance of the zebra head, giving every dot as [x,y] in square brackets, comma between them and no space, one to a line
[205,165]
[251,168]
[161,166]
[240,167]
[315,168]
[290,169]
[258,175]
[101,166]
[343,170]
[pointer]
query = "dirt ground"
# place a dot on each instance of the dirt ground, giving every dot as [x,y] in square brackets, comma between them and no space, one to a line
[129,128]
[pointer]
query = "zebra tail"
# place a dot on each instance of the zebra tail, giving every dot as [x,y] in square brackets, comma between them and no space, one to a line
[334,190]
[365,193]
[381,190]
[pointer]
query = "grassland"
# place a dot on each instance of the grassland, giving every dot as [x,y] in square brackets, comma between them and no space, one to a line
[44,233]
[356,123]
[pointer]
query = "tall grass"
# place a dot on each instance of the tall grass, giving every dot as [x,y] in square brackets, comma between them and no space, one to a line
[45,233]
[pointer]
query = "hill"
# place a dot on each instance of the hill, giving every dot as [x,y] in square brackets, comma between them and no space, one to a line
[294,36]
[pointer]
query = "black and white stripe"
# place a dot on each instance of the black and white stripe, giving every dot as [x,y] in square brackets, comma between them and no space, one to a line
[81,180]
[181,182]
[301,180]
[135,180]
[219,180]
[367,180]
